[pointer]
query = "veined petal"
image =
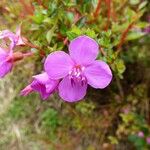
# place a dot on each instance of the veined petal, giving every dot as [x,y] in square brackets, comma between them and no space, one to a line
[83,50]
[98,74]
[43,78]
[72,91]
[58,64]
[44,85]
[40,88]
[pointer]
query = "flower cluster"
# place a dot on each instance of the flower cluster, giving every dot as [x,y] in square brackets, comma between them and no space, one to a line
[9,41]
[70,74]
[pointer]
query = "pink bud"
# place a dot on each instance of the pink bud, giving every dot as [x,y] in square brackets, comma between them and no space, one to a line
[141,134]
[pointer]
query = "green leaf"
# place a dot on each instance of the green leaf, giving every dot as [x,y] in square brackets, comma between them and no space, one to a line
[49,36]
[90,33]
[113,140]
[76,30]
[135,35]
[70,16]
[71,35]
[134,2]
[142,5]
[138,142]
[142,24]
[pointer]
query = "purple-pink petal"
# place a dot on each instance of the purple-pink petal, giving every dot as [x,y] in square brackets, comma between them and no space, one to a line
[71,90]
[98,74]
[148,140]
[26,91]
[5,67]
[3,54]
[58,64]
[43,78]
[44,85]
[40,88]
[11,36]
[83,50]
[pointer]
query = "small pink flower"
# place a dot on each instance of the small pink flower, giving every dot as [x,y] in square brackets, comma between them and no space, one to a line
[79,69]
[141,134]
[148,140]
[8,58]
[15,38]
[42,84]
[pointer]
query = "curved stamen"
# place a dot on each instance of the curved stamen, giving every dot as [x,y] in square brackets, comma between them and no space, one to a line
[76,74]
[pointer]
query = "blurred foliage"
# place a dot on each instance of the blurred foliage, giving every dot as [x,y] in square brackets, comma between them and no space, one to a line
[106,119]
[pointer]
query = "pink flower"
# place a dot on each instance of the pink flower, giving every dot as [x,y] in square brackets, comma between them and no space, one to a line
[141,134]
[42,84]
[7,59]
[148,140]
[15,38]
[78,69]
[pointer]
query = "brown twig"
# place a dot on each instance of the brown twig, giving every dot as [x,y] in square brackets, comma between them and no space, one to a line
[97,11]
[27,8]
[41,3]
[42,53]
[108,3]
[120,88]
[114,16]
[123,36]
[102,51]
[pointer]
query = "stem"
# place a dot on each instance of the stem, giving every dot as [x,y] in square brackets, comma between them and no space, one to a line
[66,41]
[108,3]
[113,13]
[96,13]
[28,54]
[120,87]
[42,53]
[102,51]
[40,3]
[27,8]
[123,37]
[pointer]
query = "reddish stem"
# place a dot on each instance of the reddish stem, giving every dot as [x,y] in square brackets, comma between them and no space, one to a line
[27,8]
[65,41]
[17,56]
[113,13]
[108,3]
[97,11]
[41,3]
[123,36]
[42,53]
[28,54]
[102,51]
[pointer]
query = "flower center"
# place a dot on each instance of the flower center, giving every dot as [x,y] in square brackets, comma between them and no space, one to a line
[77,75]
